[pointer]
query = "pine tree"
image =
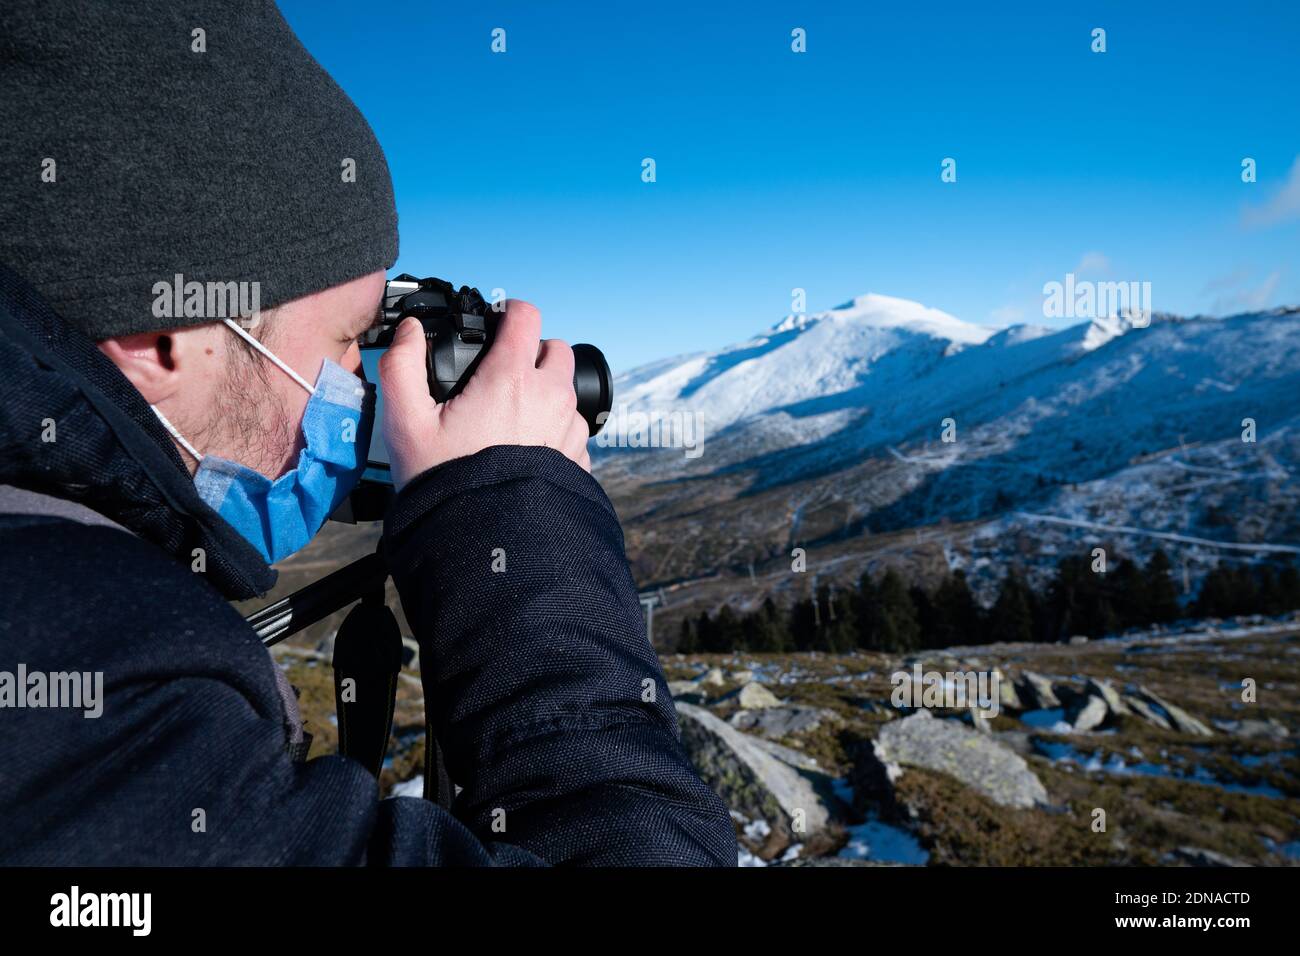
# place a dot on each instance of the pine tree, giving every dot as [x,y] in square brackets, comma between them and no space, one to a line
[764,629]
[803,630]
[1079,601]
[1162,593]
[1270,595]
[958,619]
[898,626]
[925,617]
[1245,591]
[705,634]
[1126,587]
[867,600]
[687,639]
[725,635]
[1011,617]
[836,627]
[1288,585]
[1215,598]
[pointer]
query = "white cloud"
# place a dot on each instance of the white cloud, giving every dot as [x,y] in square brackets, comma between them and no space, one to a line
[1237,297]
[1092,262]
[1007,315]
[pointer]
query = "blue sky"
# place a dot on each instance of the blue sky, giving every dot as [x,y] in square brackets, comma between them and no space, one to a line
[821,170]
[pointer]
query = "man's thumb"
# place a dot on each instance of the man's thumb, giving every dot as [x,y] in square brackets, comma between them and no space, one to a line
[402,369]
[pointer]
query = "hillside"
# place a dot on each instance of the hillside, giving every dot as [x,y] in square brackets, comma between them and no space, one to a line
[827,432]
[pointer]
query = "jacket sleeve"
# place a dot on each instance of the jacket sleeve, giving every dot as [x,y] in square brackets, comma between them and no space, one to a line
[546,696]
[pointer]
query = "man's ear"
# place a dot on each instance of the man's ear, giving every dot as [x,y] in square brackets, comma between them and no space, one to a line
[151,360]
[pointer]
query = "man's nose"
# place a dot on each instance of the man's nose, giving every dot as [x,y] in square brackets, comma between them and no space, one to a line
[352,361]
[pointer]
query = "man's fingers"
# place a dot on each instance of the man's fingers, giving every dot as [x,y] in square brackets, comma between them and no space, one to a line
[402,373]
[556,358]
[519,335]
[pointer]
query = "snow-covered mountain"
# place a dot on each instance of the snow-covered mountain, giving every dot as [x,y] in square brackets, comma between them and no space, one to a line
[883,414]
[802,358]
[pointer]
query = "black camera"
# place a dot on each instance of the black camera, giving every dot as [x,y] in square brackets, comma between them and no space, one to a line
[459,327]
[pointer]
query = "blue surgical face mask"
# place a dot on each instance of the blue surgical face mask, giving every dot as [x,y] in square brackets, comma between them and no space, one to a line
[279,517]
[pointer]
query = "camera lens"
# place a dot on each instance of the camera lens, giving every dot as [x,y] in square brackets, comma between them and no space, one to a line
[593,384]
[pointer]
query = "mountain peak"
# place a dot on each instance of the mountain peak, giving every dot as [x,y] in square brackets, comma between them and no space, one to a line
[888,312]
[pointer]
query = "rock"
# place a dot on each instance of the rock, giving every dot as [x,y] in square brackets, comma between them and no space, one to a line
[1018,740]
[1181,719]
[1091,715]
[1008,699]
[781,721]
[410,653]
[742,676]
[1078,639]
[1036,691]
[686,690]
[800,761]
[748,776]
[1146,712]
[326,645]
[948,747]
[1097,705]
[409,788]
[1254,729]
[711,678]
[753,696]
[1196,856]
[1109,694]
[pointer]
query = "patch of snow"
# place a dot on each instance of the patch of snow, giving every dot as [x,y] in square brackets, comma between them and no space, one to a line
[1051,720]
[409,788]
[758,830]
[879,841]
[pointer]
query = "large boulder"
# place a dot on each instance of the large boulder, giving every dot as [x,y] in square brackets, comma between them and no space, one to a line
[1250,728]
[782,721]
[686,690]
[1146,712]
[1181,719]
[751,778]
[1103,689]
[753,696]
[1036,692]
[1090,714]
[1008,699]
[711,678]
[1097,706]
[1197,856]
[949,747]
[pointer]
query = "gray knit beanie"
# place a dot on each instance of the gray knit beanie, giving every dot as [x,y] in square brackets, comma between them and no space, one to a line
[150,139]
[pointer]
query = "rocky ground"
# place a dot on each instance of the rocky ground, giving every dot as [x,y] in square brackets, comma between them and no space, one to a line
[1170,747]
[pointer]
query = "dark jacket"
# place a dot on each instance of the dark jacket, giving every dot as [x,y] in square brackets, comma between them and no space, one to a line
[536,678]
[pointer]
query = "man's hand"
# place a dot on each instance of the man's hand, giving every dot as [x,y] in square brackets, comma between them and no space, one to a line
[520,394]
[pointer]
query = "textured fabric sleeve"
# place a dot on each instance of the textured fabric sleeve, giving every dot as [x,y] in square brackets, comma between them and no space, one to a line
[548,699]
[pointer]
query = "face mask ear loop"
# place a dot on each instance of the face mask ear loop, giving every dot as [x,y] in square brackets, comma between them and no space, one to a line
[176,434]
[270,355]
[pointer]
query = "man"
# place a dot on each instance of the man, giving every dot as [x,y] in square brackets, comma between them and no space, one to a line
[154,461]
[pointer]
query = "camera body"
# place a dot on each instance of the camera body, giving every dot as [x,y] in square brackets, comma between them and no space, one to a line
[459,327]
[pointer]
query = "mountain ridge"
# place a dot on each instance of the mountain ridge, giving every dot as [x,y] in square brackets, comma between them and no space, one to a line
[834,430]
